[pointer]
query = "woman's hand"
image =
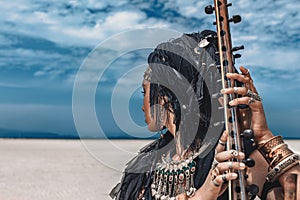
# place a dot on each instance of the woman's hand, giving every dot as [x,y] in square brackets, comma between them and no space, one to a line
[222,168]
[221,171]
[258,119]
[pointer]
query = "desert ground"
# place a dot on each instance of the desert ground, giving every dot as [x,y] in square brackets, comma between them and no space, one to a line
[40,169]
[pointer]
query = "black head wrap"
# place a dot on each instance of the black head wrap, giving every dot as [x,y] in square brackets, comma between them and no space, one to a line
[184,70]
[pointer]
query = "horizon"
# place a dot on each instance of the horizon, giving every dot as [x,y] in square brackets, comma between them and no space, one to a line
[45,46]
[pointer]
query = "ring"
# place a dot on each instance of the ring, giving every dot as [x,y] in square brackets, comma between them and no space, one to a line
[214,164]
[216,184]
[224,178]
[252,94]
[247,72]
[214,173]
[222,143]
[235,89]
[251,100]
[234,153]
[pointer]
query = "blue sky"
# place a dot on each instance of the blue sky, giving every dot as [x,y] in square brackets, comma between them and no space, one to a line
[44,44]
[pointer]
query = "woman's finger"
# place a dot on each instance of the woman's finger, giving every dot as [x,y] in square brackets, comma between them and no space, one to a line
[223,178]
[236,90]
[244,100]
[226,166]
[246,73]
[226,155]
[240,77]
[222,142]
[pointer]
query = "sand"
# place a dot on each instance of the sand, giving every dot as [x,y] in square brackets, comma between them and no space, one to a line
[65,169]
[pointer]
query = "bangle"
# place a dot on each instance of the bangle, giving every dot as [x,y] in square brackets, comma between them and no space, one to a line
[267,147]
[279,153]
[282,167]
[279,157]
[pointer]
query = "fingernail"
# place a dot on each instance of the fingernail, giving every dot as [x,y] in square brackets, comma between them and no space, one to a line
[231,103]
[234,175]
[241,154]
[223,91]
[242,165]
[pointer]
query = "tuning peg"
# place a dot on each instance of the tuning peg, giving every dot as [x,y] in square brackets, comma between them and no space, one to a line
[229,4]
[249,162]
[253,190]
[237,48]
[248,134]
[237,55]
[209,9]
[220,19]
[235,19]
[242,106]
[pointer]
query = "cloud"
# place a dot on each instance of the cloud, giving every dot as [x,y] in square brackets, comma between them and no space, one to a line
[12,85]
[72,23]
[44,43]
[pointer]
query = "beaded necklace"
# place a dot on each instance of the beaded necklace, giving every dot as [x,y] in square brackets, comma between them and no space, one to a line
[172,178]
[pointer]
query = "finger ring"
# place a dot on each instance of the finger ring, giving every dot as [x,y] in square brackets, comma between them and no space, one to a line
[235,89]
[234,153]
[247,72]
[230,165]
[216,170]
[214,173]
[224,178]
[251,100]
[214,164]
[254,95]
[222,143]
[215,183]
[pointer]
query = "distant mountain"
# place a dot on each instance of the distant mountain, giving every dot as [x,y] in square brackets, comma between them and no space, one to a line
[6,133]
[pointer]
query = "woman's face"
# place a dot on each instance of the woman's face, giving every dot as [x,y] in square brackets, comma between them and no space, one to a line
[146,102]
[150,120]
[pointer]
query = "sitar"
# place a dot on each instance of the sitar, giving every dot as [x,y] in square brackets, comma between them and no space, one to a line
[236,118]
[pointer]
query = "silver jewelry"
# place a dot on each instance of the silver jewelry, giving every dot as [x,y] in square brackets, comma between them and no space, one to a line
[214,173]
[148,74]
[216,184]
[251,100]
[174,177]
[282,167]
[224,178]
[247,72]
[234,153]
[214,163]
[254,95]
[222,143]
[235,90]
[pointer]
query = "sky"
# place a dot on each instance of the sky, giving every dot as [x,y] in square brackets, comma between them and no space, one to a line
[74,68]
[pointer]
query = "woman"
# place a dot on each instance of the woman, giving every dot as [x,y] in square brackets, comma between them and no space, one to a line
[181,93]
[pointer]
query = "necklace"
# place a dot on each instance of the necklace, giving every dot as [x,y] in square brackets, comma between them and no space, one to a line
[172,178]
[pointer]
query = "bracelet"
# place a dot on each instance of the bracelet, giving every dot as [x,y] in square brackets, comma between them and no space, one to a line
[282,167]
[267,147]
[279,157]
[279,153]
